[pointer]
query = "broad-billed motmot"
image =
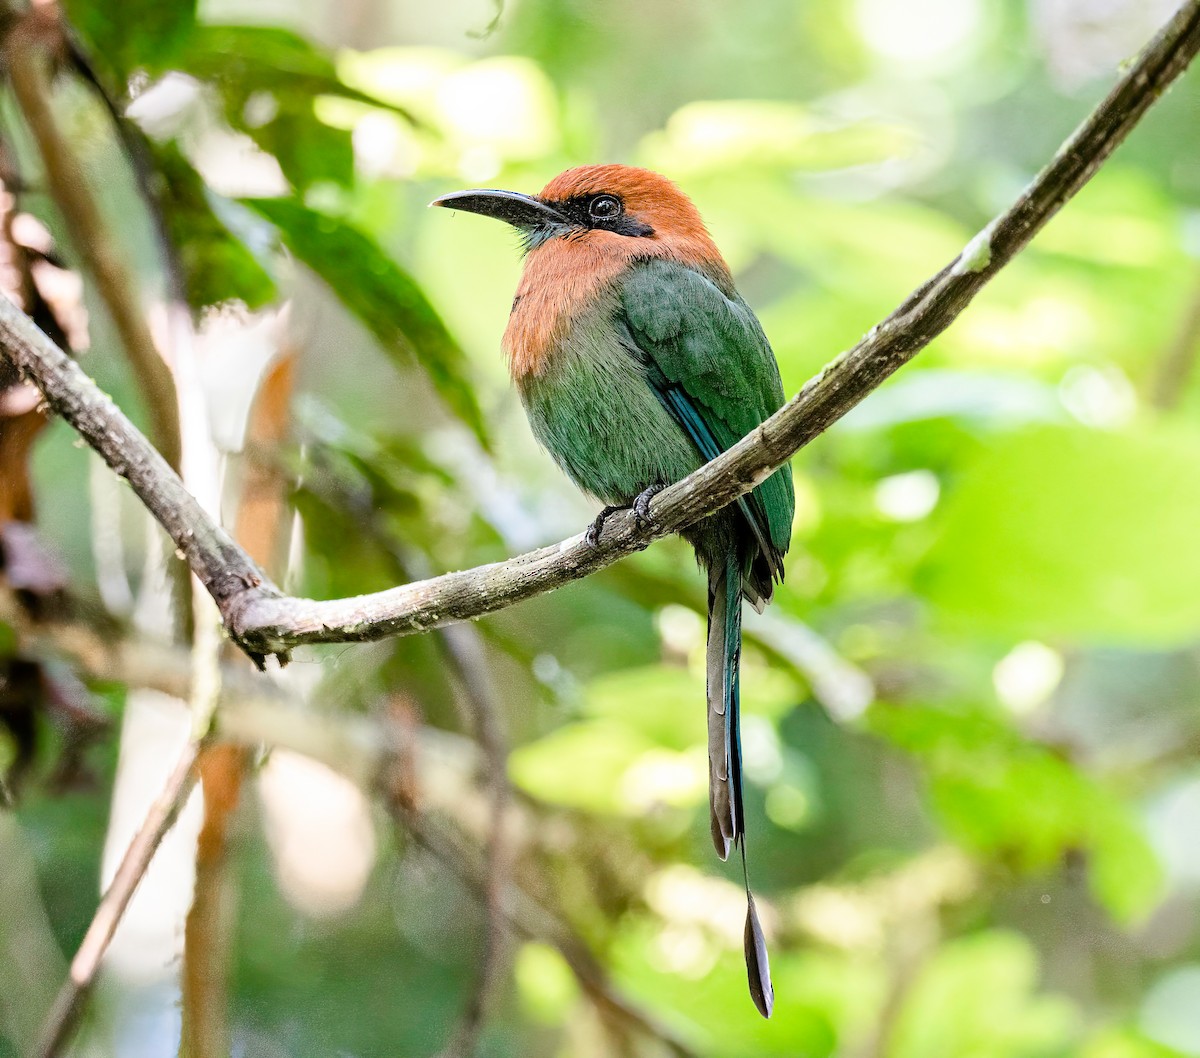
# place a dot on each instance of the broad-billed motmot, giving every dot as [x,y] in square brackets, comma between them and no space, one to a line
[637,361]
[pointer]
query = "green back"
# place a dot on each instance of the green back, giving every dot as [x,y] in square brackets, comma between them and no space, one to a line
[712,349]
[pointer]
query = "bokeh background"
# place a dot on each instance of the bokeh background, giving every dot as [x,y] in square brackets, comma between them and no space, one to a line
[972,716]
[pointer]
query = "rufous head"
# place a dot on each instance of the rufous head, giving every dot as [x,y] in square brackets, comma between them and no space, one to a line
[618,208]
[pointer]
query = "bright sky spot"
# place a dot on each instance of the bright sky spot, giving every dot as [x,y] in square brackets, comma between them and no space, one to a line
[762,755]
[1026,676]
[681,629]
[506,104]
[662,776]
[907,497]
[1098,397]
[685,950]
[918,31]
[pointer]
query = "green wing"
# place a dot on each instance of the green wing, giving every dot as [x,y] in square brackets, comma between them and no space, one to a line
[714,369]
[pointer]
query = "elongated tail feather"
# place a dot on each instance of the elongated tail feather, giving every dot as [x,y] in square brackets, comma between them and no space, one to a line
[724,740]
[758,966]
[728,819]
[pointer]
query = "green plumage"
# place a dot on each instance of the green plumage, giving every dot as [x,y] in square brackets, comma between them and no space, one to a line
[715,349]
[662,374]
[599,408]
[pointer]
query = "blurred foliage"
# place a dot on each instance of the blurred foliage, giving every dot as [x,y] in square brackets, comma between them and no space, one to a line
[994,856]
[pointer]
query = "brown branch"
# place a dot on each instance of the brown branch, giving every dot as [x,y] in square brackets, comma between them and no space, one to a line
[209,929]
[464,647]
[527,918]
[27,59]
[69,1003]
[222,567]
[464,651]
[365,751]
[263,621]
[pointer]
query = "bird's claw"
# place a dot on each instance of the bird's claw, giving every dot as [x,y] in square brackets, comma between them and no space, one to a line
[641,506]
[641,514]
[592,536]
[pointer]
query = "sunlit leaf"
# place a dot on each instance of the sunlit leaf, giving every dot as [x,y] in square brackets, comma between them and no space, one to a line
[1126,1043]
[268,79]
[977,996]
[217,266]
[1003,796]
[1086,534]
[381,294]
[698,980]
[581,765]
[256,58]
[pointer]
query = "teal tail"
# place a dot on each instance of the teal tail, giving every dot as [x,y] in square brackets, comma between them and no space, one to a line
[727,816]
[724,737]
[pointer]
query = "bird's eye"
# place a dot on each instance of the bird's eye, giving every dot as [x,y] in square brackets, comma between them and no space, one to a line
[604,207]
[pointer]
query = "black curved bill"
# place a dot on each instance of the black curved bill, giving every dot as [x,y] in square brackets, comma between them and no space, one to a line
[521,211]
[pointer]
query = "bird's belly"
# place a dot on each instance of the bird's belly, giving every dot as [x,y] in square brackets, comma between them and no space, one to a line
[592,408]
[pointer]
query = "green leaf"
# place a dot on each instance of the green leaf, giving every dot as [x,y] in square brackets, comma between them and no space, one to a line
[1126,1043]
[581,765]
[823,997]
[1070,532]
[268,79]
[977,997]
[1005,797]
[120,39]
[381,294]
[216,265]
[247,59]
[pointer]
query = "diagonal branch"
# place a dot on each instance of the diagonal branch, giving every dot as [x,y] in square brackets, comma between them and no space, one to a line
[68,1005]
[264,621]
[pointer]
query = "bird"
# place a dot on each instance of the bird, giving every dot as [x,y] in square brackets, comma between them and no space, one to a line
[637,361]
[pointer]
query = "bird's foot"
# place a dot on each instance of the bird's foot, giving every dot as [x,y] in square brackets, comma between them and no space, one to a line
[592,536]
[641,505]
[640,508]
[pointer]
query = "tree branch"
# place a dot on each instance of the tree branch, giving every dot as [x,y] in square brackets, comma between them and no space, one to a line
[464,648]
[159,820]
[527,918]
[252,712]
[263,621]
[27,59]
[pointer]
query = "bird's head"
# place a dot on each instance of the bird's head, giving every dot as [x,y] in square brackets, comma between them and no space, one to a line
[598,205]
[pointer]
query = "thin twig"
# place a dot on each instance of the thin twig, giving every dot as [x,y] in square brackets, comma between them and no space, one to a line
[27,48]
[209,925]
[1179,360]
[464,650]
[464,647]
[159,820]
[263,621]
[209,929]
[529,919]
[254,713]
[27,63]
